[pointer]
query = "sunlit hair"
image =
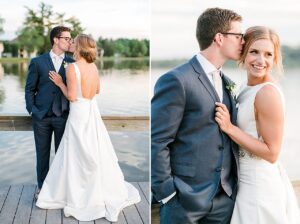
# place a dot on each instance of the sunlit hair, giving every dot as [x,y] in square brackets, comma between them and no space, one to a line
[213,21]
[85,47]
[258,33]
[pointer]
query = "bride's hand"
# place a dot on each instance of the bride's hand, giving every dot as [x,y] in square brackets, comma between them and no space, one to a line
[222,117]
[56,78]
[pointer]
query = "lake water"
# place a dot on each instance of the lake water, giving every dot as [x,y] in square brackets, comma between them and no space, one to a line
[124,87]
[124,91]
[290,83]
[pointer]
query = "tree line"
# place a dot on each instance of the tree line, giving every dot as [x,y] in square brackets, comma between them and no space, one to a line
[35,31]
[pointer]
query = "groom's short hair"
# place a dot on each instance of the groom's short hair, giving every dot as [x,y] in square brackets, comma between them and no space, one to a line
[213,21]
[56,32]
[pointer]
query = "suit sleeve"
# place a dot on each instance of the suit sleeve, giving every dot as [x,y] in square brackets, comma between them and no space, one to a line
[167,109]
[31,85]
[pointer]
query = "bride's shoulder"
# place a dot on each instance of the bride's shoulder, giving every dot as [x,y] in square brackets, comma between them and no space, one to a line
[269,96]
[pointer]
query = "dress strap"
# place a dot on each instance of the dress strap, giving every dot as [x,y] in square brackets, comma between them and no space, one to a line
[78,77]
[77,71]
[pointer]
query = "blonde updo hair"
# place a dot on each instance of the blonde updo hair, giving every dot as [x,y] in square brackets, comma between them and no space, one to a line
[260,32]
[85,47]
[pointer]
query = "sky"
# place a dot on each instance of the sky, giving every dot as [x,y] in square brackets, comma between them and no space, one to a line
[106,18]
[173,22]
[169,24]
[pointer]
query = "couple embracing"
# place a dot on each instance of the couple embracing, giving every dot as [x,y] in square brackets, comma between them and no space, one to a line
[84,179]
[214,157]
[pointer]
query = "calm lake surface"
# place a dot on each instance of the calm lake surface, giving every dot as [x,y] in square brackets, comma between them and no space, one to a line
[290,84]
[124,91]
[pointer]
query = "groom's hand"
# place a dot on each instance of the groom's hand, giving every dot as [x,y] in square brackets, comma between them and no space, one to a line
[222,117]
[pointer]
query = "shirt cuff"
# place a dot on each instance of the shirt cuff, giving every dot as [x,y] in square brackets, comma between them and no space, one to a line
[165,200]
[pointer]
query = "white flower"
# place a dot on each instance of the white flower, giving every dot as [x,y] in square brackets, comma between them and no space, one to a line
[232,89]
[65,64]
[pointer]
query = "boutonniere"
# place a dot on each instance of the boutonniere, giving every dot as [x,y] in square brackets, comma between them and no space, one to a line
[65,64]
[231,87]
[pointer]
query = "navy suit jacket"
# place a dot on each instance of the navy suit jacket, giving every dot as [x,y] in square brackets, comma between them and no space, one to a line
[185,138]
[40,91]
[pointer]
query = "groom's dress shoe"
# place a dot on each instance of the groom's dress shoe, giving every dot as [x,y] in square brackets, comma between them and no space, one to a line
[36,195]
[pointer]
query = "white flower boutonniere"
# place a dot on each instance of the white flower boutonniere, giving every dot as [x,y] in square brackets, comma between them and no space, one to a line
[65,64]
[231,87]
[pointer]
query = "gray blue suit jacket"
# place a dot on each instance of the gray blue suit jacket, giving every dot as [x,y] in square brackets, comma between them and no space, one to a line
[185,138]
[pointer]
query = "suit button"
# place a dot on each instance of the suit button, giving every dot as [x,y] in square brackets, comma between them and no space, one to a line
[221,147]
[219,169]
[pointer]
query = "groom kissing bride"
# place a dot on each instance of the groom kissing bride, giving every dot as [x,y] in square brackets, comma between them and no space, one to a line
[84,179]
[210,162]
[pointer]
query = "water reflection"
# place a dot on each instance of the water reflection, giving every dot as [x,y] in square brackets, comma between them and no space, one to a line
[17,150]
[139,64]
[124,85]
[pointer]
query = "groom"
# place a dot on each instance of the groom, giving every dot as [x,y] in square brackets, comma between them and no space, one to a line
[194,164]
[45,102]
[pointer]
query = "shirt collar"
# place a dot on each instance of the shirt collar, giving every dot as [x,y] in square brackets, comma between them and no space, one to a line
[52,55]
[207,66]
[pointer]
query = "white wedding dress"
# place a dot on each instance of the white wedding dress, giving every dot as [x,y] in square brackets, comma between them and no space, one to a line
[265,194]
[85,179]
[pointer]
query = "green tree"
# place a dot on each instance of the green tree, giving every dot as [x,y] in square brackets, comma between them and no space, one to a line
[10,47]
[35,32]
[137,48]
[107,45]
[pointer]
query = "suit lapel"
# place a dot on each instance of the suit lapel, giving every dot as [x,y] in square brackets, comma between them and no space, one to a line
[49,62]
[204,79]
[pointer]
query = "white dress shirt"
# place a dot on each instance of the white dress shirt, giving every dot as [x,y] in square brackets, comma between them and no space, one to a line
[209,69]
[57,60]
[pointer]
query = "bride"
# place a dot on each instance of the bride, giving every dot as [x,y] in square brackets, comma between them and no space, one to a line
[265,194]
[85,179]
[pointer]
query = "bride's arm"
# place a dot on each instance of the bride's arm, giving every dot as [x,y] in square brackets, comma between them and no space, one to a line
[70,90]
[269,122]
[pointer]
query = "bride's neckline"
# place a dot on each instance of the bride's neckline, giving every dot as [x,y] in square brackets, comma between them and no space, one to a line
[259,84]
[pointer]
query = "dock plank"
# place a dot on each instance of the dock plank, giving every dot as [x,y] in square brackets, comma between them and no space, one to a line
[146,189]
[102,221]
[3,194]
[143,205]
[132,215]
[69,220]
[25,205]
[11,204]
[90,222]
[121,219]
[38,215]
[54,216]
[17,206]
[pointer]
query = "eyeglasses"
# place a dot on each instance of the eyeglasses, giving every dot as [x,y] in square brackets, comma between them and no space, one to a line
[240,35]
[68,39]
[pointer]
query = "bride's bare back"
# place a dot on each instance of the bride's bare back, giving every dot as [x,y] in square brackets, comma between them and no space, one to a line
[90,82]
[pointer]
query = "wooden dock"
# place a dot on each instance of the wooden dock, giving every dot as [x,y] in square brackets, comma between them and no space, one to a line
[22,122]
[17,206]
